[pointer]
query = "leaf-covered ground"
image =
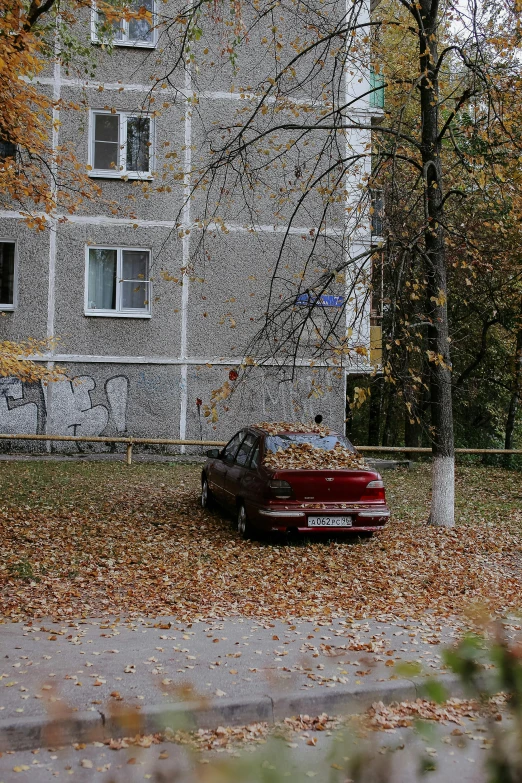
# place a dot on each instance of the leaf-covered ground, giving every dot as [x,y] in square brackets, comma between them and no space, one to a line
[104,538]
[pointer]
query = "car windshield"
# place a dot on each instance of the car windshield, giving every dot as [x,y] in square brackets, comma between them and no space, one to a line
[326,442]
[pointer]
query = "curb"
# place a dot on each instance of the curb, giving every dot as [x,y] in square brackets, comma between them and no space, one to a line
[31,733]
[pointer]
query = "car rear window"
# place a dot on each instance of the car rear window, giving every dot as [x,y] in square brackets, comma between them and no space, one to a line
[326,442]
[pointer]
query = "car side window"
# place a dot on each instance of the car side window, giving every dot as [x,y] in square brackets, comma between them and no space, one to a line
[254,462]
[244,450]
[229,452]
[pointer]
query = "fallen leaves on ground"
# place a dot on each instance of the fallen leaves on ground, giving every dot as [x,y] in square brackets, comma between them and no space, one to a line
[305,456]
[223,737]
[378,717]
[229,737]
[108,539]
[400,714]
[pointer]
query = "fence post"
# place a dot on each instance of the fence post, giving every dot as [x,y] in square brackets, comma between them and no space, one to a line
[129,453]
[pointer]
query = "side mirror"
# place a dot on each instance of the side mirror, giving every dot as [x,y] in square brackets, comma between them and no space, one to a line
[213,453]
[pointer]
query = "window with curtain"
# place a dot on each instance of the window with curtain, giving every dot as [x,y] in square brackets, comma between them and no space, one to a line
[118,281]
[102,279]
[7,275]
[141,30]
[121,144]
[137,31]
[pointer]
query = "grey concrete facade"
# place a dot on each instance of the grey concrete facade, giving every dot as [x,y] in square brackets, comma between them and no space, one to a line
[143,376]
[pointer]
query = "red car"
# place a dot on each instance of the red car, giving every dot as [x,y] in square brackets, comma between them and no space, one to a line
[292,499]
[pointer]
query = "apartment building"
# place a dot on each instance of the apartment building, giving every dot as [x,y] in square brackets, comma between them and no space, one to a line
[152,305]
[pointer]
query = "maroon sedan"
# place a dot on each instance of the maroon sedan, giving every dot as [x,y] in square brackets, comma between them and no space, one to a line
[307,500]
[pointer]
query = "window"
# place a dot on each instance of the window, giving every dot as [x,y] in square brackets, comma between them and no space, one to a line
[229,452]
[117,282]
[377,90]
[254,462]
[7,149]
[120,145]
[7,275]
[126,32]
[245,449]
[377,212]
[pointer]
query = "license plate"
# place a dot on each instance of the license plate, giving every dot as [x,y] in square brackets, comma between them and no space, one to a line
[329,521]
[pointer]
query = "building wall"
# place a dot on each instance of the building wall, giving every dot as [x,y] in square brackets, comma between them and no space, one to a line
[143,377]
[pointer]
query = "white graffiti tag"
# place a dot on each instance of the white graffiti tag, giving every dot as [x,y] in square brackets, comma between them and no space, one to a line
[21,419]
[71,411]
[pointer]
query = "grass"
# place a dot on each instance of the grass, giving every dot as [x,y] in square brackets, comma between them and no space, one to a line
[482,493]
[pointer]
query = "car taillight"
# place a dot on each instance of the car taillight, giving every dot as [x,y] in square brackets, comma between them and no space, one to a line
[375,485]
[280,489]
[374,491]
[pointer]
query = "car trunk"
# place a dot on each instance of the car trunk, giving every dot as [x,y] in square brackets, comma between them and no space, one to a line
[329,486]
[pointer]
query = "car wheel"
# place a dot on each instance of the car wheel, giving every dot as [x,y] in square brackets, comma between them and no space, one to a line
[206,495]
[243,525]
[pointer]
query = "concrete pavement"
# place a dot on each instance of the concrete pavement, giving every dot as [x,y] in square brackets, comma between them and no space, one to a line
[89,680]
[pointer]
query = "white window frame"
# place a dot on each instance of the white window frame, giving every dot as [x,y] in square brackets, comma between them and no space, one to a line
[119,312]
[125,41]
[10,307]
[120,173]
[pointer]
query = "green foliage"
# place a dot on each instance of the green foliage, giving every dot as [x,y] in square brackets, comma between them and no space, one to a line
[408,669]
[467,659]
[435,691]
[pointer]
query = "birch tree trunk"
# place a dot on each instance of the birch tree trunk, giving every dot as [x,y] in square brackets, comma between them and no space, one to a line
[443,467]
[517,391]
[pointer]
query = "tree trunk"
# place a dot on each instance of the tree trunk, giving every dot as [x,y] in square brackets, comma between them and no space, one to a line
[412,434]
[412,426]
[348,421]
[517,392]
[374,423]
[387,408]
[443,469]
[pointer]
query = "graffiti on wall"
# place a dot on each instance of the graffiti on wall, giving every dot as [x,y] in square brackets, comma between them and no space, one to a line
[16,418]
[291,399]
[285,400]
[64,407]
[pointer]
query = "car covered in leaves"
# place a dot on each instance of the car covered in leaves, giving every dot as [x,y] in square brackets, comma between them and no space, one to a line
[287,477]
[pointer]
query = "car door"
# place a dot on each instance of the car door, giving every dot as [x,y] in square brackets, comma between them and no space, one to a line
[222,465]
[253,484]
[236,472]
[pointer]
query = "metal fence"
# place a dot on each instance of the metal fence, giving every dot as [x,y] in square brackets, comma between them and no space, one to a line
[130,442]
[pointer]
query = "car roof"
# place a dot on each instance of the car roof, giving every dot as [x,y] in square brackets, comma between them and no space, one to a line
[258,429]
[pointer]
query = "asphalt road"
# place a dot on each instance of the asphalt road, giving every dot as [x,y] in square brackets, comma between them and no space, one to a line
[323,757]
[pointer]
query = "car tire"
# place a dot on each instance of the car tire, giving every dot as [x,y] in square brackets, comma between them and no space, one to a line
[243,525]
[207,501]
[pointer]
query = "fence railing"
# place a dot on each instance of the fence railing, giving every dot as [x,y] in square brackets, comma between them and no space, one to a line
[130,442]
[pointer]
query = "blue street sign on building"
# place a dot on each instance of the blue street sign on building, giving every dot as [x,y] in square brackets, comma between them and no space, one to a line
[325,300]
